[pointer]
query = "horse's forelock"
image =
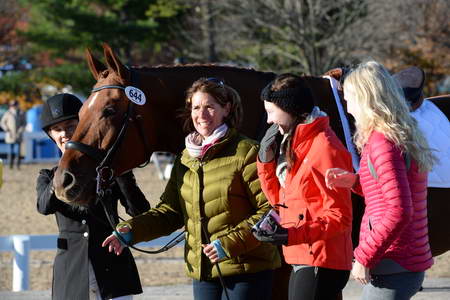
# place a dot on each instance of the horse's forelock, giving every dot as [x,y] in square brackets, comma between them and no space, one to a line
[104,74]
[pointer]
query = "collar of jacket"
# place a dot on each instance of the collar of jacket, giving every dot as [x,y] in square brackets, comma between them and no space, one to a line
[194,163]
[305,132]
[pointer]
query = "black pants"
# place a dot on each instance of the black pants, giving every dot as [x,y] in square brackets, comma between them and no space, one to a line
[315,283]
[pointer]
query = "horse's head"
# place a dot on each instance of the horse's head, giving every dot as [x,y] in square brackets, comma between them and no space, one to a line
[107,111]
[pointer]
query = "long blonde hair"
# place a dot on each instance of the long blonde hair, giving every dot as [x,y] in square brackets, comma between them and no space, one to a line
[384,109]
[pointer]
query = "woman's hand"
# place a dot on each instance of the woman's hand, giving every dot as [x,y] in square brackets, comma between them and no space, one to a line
[214,251]
[339,178]
[113,243]
[268,145]
[210,251]
[360,273]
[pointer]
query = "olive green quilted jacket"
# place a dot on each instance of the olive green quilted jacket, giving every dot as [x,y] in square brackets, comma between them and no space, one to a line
[220,195]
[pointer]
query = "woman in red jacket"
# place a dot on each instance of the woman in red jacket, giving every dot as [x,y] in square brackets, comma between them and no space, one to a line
[393,250]
[316,221]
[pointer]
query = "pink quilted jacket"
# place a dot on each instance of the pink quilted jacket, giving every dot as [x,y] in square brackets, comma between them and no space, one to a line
[394,224]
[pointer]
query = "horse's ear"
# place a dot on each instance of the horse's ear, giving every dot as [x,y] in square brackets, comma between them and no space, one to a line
[114,63]
[94,64]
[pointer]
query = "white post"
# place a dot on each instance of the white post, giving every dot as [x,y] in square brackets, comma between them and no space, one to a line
[28,148]
[21,244]
[155,159]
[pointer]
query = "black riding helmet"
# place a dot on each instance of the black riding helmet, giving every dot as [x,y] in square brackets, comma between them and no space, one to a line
[59,108]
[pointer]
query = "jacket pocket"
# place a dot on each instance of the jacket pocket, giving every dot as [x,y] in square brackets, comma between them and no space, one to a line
[294,214]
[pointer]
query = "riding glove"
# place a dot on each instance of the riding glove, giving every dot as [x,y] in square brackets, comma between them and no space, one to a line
[268,145]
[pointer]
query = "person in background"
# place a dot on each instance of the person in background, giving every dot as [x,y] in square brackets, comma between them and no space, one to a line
[13,123]
[412,80]
[214,192]
[82,268]
[315,222]
[393,251]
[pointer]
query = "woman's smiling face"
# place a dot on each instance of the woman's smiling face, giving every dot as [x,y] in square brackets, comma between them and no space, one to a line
[276,115]
[206,113]
[62,132]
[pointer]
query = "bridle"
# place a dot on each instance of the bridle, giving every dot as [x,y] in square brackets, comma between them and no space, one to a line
[105,174]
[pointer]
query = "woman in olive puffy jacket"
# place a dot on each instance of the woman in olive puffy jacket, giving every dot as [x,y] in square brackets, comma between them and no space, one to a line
[215,193]
[393,250]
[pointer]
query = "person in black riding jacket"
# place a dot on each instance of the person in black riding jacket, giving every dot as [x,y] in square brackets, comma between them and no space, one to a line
[83,269]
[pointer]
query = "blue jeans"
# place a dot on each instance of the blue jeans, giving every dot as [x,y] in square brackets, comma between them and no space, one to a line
[400,286]
[14,154]
[239,287]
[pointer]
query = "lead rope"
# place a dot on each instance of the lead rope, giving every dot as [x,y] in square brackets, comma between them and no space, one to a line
[105,193]
[179,238]
[222,282]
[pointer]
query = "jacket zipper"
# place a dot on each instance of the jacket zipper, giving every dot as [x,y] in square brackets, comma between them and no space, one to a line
[202,232]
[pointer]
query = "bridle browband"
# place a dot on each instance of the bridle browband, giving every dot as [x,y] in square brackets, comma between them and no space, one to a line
[120,87]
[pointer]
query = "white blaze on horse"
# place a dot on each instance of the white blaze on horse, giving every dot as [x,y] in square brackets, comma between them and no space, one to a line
[118,133]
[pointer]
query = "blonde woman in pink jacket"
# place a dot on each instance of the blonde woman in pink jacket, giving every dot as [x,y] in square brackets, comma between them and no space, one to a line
[393,251]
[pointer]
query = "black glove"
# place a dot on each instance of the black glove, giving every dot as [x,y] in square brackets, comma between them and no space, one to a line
[268,145]
[269,230]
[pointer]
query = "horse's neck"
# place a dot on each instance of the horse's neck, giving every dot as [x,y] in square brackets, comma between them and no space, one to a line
[174,81]
[161,114]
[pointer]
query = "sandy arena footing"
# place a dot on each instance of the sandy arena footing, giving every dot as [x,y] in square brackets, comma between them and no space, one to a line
[434,288]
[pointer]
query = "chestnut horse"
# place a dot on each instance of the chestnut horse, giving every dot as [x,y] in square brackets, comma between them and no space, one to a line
[155,126]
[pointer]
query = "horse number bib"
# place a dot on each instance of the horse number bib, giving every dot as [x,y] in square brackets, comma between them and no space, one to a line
[135,95]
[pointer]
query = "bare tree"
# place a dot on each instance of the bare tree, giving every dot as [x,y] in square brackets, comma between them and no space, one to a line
[204,34]
[279,35]
[408,32]
[313,36]
[295,35]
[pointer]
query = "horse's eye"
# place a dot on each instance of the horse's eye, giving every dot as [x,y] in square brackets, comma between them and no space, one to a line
[109,111]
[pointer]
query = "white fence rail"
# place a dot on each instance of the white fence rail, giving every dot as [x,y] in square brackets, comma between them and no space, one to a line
[32,148]
[21,245]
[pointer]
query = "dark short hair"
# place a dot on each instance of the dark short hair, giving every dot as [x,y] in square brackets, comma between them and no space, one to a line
[222,93]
